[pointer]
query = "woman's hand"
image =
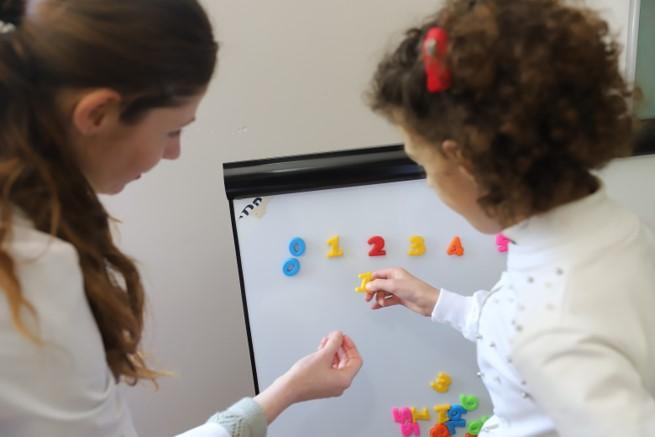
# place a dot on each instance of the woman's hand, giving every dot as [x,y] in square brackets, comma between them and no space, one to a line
[397,287]
[327,372]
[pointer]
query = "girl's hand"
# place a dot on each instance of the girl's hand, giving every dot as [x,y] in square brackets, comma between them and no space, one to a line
[397,287]
[326,373]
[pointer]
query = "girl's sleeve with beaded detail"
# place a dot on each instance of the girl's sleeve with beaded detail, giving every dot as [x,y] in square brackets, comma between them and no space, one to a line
[460,312]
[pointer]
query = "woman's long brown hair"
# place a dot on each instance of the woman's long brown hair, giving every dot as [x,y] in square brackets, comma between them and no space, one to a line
[154,53]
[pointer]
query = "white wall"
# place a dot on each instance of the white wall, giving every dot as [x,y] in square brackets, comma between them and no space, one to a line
[290,80]
[617,12]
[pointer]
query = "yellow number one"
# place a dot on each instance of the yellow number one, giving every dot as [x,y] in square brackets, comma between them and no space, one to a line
[335,250]
[366,278]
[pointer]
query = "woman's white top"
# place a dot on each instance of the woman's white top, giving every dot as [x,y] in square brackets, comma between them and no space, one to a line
[65,388]
[566,339]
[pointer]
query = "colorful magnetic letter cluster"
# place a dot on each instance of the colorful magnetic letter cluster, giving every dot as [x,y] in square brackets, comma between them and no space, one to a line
[405,418]
[449,417]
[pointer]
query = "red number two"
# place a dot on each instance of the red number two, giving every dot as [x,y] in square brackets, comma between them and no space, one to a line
[378,246]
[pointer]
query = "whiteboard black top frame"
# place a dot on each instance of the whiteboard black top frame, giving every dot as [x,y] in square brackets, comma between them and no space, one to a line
[319,171]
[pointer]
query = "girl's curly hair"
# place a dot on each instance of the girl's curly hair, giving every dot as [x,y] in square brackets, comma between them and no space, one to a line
[537,99]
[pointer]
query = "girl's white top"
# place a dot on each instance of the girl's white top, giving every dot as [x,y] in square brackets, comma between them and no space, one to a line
[566,339]
[63,388]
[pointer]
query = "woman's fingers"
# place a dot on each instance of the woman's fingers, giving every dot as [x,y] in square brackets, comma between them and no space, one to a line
[322,343]
[353,360]
[342,358]
[346,352]
[332,344]
[350,348]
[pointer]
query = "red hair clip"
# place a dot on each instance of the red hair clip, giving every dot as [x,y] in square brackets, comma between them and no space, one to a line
[434,48]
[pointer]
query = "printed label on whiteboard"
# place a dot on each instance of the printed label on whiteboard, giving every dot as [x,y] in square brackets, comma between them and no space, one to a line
[255,208]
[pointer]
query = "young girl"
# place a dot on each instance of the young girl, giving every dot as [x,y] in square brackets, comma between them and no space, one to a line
[509,105]
[93,94]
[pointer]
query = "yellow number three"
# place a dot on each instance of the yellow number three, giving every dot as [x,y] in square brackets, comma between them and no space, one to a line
[416,246]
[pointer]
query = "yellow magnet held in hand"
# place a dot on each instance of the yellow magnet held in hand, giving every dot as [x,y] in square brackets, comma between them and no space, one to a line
[366,278]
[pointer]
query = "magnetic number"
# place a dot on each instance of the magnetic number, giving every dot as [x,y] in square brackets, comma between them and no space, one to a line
[442,411]
[439,430]
[453,424]
[378,246]
[410,429]
[474,427]
[366,278]
[335,250]
[291,267]
[416,246]
[455,412]
[404,417]
[502,243]
[469,402]
[423,414]
[401,415]
[456,247]
[442,383]
[297,246]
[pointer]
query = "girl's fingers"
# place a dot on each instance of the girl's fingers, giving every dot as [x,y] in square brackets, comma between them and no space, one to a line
[386,303]
[384,299]
[384,273]
[380,285]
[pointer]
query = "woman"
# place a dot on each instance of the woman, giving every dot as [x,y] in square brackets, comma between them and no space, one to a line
[92,95]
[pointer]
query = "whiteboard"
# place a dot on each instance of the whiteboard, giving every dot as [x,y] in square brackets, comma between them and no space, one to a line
[403,352]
